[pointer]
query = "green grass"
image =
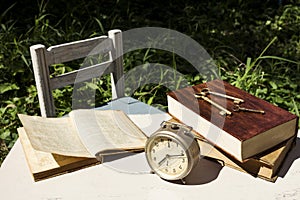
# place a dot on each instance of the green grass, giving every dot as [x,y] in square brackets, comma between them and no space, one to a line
[255,45]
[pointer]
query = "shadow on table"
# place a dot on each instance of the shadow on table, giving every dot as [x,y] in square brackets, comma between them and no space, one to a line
[204,172]
[293,155]
[208,170]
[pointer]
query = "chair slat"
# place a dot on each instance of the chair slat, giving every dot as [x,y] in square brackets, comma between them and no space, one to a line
[78,49]
[81,75]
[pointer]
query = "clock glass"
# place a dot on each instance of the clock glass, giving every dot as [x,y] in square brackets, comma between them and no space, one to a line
[168,157]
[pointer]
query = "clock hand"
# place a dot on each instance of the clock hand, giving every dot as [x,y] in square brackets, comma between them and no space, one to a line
[178,156]
[163,160]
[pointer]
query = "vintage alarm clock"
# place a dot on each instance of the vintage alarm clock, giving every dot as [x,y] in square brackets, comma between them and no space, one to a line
[172,151]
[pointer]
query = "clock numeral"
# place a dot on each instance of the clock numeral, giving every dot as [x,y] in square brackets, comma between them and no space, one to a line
[154,158]
[166,170]
[180,167]
[183,160]
[153,150]
[169,145]
[174,170]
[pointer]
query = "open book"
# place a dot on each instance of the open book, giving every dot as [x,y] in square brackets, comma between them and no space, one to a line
[85,133]
[44,165]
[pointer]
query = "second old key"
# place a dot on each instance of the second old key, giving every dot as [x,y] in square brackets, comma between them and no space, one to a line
[223,111]
[206,91]
[238,108]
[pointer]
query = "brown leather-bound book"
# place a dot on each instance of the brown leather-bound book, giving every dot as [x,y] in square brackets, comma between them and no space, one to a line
[241,134]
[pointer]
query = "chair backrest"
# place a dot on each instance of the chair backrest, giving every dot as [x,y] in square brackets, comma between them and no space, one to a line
[43,57]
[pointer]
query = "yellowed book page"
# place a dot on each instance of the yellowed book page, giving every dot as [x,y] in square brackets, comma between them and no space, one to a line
[54,135]
[44,165]
[38,161]
[106,130]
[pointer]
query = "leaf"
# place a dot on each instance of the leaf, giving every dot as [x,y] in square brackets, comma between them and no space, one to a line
[262,91]
[5,134]
[279,58]
[92,86]
[150,100]
[274,86]
[7,87]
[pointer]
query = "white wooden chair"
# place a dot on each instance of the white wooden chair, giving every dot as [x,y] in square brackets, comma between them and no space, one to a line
[43,57]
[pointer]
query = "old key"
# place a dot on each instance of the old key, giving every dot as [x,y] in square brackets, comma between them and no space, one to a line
[237,108]
[206,91]
[223,111]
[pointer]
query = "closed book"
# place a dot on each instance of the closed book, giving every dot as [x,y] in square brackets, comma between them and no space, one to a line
[265,166]
[242,134]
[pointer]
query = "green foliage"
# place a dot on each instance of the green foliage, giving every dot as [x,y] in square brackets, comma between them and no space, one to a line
[272,78]
[255,44]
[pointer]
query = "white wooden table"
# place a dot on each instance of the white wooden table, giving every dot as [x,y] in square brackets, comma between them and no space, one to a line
[113,180]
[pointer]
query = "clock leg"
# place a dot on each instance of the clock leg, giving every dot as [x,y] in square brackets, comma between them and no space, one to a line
[183,181]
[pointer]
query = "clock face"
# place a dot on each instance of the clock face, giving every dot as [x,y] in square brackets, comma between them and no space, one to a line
[167,157]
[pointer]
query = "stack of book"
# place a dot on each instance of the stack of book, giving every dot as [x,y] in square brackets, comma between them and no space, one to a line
[253,142]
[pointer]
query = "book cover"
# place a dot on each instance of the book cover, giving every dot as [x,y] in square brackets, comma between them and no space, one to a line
[241,134]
